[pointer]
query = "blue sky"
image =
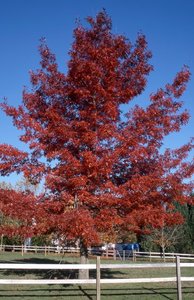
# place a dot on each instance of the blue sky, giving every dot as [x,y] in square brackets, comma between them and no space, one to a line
[167,24]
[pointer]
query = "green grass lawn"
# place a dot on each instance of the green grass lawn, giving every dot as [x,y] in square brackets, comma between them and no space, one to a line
[142,291]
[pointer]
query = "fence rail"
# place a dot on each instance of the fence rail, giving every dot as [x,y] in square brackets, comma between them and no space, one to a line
[38,249]
[161,256]
[109,253]
[98,281]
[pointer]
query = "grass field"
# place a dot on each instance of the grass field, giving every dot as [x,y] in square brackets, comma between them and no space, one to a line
[157,291]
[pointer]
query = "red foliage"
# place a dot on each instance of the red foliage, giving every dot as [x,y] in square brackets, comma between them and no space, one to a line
[18,211]
[101,170]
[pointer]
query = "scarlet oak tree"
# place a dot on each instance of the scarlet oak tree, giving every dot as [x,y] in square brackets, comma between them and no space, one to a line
[102,170]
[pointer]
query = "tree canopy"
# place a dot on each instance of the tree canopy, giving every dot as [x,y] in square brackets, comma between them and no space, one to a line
[102,170]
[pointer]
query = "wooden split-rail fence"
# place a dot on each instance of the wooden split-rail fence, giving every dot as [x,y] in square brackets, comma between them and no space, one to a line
[108,253]
[98,280]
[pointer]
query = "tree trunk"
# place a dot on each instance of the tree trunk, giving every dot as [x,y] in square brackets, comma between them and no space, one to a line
[83,273]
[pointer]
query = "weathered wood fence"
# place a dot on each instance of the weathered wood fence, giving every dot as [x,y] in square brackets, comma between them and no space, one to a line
[38,249]
[98,280]
[109,253]
[151,256]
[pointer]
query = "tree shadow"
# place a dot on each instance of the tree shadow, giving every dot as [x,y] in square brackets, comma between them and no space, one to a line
[85,293]
[159,293]
[55,274]
[90,293]
[41,274]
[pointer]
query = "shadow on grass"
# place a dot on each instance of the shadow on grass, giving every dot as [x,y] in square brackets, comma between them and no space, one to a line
[90,293]
[75,292]
[54,274]
[158,292]
[40,274]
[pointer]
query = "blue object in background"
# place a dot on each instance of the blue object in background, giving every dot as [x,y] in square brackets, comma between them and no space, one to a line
[131,246]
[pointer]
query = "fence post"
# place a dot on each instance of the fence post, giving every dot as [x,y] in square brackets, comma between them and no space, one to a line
[133,255]
[123,254]
[178,278]
[106,251]
[98,278]
[115,254]
[164,257]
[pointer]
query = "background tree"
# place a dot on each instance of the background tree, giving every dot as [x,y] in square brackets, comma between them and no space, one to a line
[17,211]
[3,219]
[186,243]
[101,169]
[163,238]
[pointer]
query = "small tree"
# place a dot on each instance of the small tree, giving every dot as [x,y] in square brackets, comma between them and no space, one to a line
[163,237]
[102,170]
